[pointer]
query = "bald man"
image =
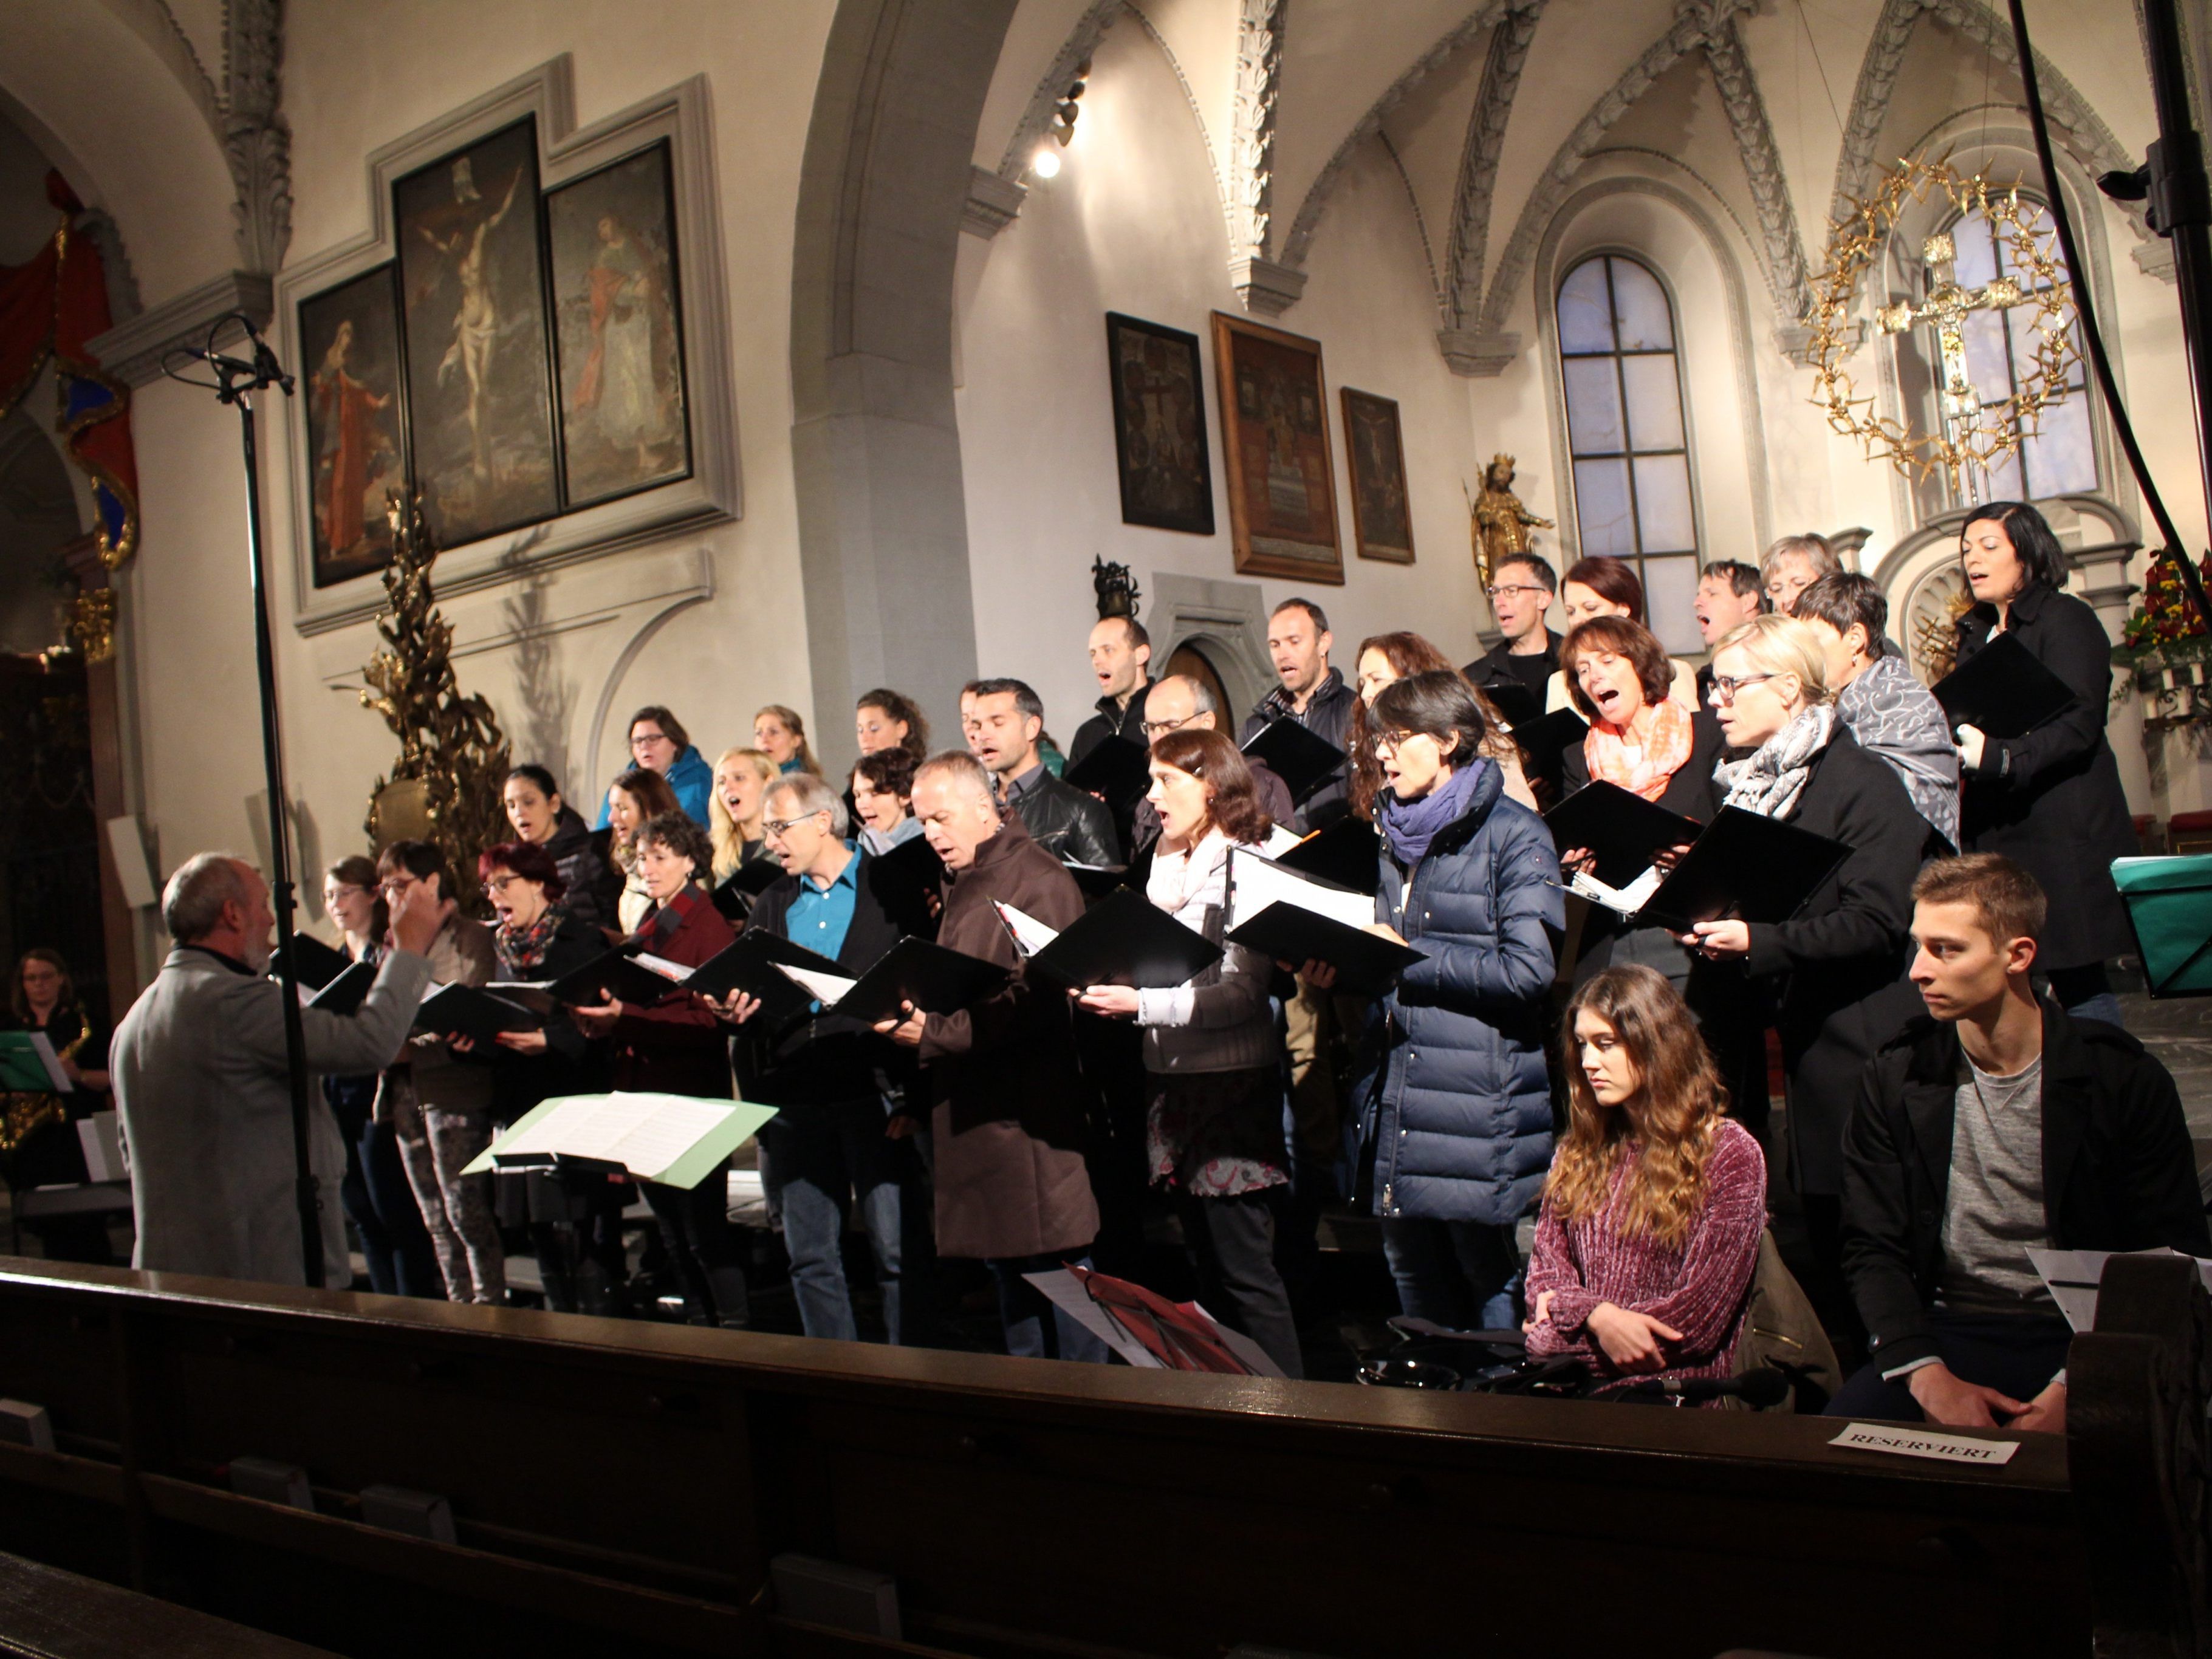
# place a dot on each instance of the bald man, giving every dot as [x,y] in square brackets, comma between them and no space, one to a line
[1179,702]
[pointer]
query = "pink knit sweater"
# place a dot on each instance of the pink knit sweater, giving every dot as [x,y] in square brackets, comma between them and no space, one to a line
[1698,1288]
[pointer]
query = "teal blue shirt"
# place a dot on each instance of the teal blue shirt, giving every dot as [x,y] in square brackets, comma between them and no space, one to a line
[820,917]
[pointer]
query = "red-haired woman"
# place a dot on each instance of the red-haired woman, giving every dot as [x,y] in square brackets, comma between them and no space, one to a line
[1211,1053]
[1607,587]
[1652,1213]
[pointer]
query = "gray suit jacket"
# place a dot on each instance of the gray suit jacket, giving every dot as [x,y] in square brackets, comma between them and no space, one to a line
[199,1066]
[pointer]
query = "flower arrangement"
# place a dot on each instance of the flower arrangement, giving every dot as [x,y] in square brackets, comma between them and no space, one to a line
[2166,647]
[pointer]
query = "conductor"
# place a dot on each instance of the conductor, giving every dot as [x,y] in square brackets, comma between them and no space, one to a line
[201,1079]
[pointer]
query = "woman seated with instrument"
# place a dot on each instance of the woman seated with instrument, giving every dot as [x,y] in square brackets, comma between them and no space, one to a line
[1649,1230]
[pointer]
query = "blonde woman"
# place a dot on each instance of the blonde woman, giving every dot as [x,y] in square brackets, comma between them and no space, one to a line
[1648,1235]
[737,807]
[779,733]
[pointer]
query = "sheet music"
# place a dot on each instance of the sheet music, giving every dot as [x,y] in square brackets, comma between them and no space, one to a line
[662,966]
[828,989]
[1255,883]
[645,1133]
[1622,901]
[2072,1277]
[1030,935]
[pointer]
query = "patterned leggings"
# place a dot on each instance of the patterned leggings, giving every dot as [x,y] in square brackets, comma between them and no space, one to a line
[436,1145]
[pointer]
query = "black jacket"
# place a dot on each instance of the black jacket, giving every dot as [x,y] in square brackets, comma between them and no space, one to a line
[572,1064]
[1845,952]
[594,885]
[1073,827]
[1112,720]
[2052,801]
[828,1059]
[1328,715]
[1496,666]
[2118,1171]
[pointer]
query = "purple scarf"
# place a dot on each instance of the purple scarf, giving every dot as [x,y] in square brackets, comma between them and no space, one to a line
[1410,825]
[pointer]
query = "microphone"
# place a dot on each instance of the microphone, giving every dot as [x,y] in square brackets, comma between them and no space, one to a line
[266,368]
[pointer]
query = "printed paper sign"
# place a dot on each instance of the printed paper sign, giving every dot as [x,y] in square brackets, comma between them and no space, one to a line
[1925,1442]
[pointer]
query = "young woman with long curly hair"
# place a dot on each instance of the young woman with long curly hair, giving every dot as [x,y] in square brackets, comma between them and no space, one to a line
[1652,1213]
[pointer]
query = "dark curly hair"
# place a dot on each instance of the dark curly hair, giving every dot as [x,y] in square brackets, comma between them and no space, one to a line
[898,706]
[681,834]
[891,770]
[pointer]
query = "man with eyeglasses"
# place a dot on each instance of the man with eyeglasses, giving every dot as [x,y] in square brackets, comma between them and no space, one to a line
[1179,703]
[1521,590]
[834,1141]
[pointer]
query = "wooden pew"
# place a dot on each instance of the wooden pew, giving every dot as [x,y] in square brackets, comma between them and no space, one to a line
[46,1613]
[620,1487]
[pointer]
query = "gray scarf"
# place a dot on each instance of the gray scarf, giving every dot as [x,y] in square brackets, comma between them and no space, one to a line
[1892,715]
[1769,781]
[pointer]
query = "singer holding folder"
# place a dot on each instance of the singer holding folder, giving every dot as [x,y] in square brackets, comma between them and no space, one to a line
[2051,799]
[1455,1109]
[1214,1130]
[1838,964]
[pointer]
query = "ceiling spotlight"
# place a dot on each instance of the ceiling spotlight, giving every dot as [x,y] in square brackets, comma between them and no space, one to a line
[1046,163]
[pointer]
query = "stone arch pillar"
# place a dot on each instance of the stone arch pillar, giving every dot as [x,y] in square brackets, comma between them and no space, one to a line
[883,524]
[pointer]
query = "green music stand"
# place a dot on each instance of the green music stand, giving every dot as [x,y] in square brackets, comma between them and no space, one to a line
[2169,906]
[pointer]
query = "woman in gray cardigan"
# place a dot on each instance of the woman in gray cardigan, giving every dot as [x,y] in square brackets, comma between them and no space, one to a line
[1212,1055]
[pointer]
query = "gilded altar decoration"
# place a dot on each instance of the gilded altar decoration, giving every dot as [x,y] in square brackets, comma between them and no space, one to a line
[1975,429]
[452,753]
[92,622]
[1499,523]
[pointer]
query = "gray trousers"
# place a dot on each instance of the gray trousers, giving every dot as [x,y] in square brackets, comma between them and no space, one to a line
[436,1147]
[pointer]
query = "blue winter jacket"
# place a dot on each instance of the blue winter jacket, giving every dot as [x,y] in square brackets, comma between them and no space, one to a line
[1453,1103]
[692,779]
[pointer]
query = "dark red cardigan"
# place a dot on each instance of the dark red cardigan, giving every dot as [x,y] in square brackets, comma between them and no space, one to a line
[676,1047]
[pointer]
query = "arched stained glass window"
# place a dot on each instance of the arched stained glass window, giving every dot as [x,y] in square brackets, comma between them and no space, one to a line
[1626,433]
[2061,458]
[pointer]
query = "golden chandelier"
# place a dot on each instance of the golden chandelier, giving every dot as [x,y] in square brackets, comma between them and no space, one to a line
[1971,434]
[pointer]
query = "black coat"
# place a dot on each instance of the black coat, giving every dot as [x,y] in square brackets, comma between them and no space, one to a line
[1328,715]
[1112,721]
[594,884]
[2118,1170]
[572,1064]
[1073,827]
[827,1058]
[1500,667]
[1689,792]
[1838,964]
[2052,801]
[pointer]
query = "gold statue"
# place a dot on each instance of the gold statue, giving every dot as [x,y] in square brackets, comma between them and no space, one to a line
[1500,523]
[454,758]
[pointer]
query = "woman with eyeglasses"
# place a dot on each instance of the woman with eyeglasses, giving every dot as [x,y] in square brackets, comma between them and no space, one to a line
[1454,1105]
[1835,968]
[1385,659]
[1212,1055]
[575,1227]
[439,1103]
[2051,801]
[375,1193]
[675,1046]
[1641,740]
[38,1143]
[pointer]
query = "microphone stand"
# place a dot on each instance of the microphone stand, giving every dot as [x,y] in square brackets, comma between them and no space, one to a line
[236,381]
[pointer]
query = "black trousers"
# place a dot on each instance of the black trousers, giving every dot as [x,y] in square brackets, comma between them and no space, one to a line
[2015,1354]
[381,1206]
[695,1224]
[1233,1242]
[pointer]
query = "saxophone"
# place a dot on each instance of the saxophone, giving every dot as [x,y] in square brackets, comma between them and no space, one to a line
[23,1112]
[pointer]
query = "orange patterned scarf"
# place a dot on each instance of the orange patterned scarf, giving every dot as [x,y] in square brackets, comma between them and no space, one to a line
[1666,748]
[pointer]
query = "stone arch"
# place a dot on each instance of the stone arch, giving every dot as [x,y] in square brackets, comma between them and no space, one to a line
[875,440]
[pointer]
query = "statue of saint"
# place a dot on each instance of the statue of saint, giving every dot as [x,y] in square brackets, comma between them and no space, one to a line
[1501,524]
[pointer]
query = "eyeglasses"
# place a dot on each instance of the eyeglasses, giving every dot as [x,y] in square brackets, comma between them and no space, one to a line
[343,891]
[1725,686]
[1161,728]
[778,827]
[500,884]
[1507,590]
[647,740]
[1392,742]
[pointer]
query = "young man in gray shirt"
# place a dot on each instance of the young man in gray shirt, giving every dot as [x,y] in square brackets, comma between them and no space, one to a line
[1997,1124]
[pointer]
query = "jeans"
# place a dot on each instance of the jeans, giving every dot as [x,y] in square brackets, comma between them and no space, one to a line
[819,1159]
[1024,1311]
[436,1147]
[1233,1240]
[381,1206]
[2013,1354]
[2086,993]
[1463,1275]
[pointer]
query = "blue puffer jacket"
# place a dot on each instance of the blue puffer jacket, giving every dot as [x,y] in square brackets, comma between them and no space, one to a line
[1455,1103]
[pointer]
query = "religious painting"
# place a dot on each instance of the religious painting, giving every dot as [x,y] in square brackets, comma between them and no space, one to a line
[611,238]
[349,352]
[1159,426]
[473,313]
[1382,516]
[1274,427]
